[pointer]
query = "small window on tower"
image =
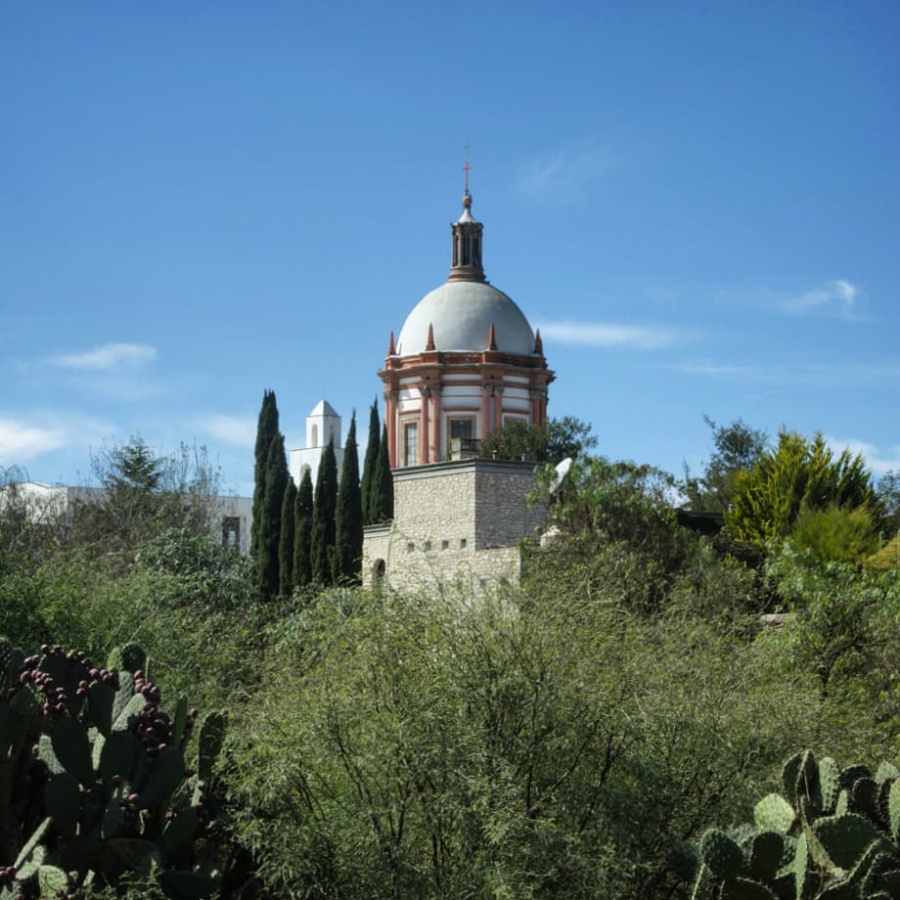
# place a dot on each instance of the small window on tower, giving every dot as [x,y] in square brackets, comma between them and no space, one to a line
[411,444]
[467,254]
[462,428]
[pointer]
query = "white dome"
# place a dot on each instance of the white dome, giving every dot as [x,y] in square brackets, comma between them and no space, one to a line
[460,314]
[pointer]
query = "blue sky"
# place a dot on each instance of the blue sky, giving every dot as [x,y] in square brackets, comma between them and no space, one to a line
[696,202]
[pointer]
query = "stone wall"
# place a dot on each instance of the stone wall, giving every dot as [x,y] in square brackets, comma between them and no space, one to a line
[456,527]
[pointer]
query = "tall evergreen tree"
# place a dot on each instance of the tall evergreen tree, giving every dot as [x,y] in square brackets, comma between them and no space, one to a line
[266,430]
[368,476]
[303,516]
[383,484]
[286,540]
[324,511]
[269,530]
[795,476]
[349,521]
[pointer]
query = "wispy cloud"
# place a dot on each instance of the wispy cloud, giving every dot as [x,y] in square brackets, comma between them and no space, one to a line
[23,439]
[835,298]
[810,374]
[564,175]
[878,460]
[107,357]
[231,429]
[716,369]
[603,334]
[115,371]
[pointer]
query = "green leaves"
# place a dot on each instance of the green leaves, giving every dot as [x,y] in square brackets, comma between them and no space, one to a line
[797,476]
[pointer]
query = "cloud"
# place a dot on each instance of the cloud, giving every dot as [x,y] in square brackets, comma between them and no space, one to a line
[716,369]
[879,461]
[601,334]
[809,374]
[835,298]
[107,357]
[25,439]
[231,429]
[564,175]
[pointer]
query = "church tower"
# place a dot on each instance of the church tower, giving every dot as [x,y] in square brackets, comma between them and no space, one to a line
[323,424]
[466,361]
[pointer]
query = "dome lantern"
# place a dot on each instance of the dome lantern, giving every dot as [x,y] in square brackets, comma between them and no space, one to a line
[466,262]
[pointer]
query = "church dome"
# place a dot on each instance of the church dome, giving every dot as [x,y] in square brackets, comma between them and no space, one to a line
[459,315]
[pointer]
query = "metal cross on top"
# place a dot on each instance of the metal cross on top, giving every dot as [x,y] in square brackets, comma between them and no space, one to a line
[467,168]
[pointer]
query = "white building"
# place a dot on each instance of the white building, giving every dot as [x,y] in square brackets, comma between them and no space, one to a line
[323,424]
[229,517]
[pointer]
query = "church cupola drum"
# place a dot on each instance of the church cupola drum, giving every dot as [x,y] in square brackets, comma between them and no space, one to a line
[466,362]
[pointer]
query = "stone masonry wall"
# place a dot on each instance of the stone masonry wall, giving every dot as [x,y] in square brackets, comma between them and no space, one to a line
[456,527]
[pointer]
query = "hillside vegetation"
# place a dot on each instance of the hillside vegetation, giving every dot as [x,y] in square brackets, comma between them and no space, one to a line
[575,736]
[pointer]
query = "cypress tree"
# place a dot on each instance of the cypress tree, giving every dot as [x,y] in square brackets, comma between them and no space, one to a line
[270,518]
[383,484]
[286,540]
[371,458]
[266,429]
[303,515]
[324,510]
[349,521]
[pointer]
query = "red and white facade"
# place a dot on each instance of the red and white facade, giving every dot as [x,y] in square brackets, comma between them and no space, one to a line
[466,362]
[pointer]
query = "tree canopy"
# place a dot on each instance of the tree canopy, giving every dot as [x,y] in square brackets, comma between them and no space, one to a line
[369,479]
[348,516]
[324,516]
[797,475]
[738,448]
[266,430]
[550,442]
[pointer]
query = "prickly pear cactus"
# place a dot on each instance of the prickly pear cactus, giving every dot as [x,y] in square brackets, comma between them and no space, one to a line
[832,836]
[93,783]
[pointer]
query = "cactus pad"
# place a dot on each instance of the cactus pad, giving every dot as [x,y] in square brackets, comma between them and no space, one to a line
[765,855]
[73,750]
[721,854]
[62,798]
[846,838]
[830,782]
[774,813]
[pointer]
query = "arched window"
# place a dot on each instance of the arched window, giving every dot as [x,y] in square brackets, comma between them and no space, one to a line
[378,570]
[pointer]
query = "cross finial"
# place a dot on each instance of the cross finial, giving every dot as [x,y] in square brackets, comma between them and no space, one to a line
[467,168]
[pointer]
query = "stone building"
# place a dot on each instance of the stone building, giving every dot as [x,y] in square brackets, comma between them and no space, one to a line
[456,525]
[466,362]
